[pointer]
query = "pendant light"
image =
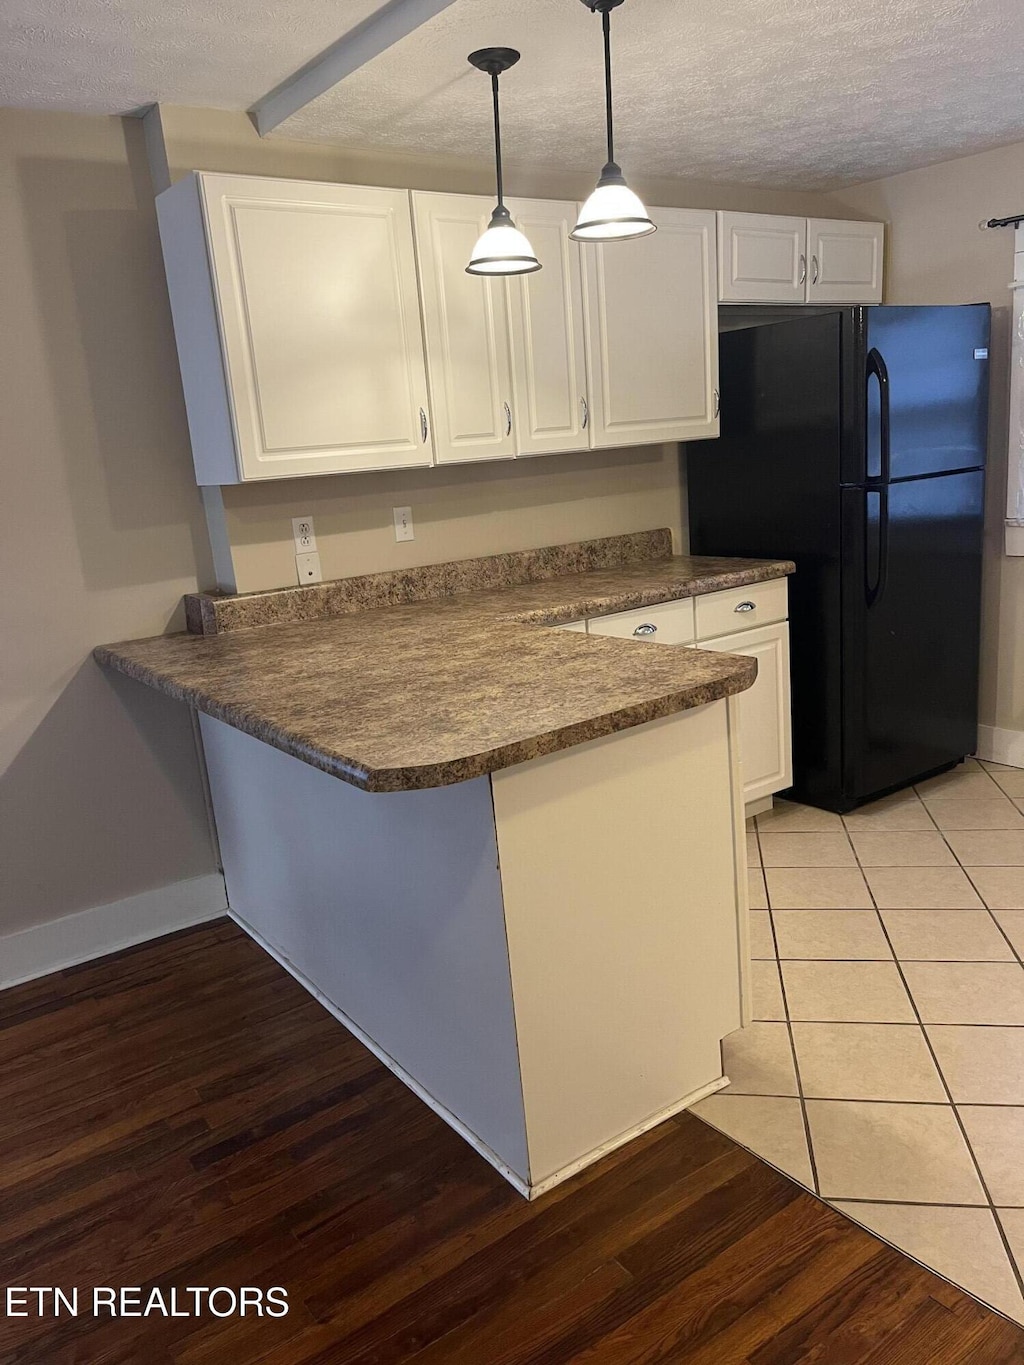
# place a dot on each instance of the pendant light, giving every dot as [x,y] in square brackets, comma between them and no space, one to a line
[503,249]
[613,212]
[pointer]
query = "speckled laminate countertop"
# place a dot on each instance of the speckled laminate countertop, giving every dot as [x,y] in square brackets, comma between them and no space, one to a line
[432,692]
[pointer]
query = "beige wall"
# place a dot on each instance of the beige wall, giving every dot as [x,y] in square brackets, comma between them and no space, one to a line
[938,254]
[458,512]
[100,527]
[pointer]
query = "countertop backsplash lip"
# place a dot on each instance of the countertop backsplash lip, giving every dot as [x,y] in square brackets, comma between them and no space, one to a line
[213,613]
[444,689]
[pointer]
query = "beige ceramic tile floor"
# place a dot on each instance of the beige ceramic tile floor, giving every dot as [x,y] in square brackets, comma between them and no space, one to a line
[885,1069]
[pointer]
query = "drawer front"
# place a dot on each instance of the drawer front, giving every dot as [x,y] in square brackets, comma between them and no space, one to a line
[670,623]
[724,613]
[573,625]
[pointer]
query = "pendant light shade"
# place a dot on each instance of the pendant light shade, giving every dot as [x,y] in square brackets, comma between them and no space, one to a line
[503,249]
[613,212]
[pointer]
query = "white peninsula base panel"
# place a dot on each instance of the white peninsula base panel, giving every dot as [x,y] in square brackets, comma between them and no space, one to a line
[549,955]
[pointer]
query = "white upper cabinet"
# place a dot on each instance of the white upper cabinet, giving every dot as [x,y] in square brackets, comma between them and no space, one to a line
[465,318]
[762,258]
[652,333]
[296,314]
[845,264]
[548,351]
[768,258]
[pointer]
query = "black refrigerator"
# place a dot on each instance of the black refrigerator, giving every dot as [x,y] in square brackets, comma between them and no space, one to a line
[853,442]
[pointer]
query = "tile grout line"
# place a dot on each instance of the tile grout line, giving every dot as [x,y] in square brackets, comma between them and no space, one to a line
[941,1074]
[967,874]
[869,1099]
[789,1025]
[945,961]
[977,891]
[905,1023]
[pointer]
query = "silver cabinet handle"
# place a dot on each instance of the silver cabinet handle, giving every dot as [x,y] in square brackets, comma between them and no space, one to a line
[585,410]
[803,269]
[646,629]
[508,420]
[746,606]
[423,424]
[718,403]
[814,270]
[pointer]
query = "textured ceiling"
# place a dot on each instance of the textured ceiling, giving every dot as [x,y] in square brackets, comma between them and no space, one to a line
[801,93]
[116,56]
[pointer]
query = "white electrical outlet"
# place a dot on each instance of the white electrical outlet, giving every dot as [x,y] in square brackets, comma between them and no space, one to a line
[307,567]
[305,537]
[403,523]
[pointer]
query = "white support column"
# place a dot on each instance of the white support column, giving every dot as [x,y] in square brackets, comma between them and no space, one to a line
[213,499]
[1015,461]
[381,30]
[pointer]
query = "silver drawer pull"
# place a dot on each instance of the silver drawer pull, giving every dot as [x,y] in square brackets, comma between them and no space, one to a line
[746,606]
[646,629]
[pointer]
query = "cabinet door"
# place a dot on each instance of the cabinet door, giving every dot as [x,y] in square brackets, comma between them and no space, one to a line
[762,258]
[548,353]
[652,333]
[465,318]
[315,288]
[765,724]
[845,261]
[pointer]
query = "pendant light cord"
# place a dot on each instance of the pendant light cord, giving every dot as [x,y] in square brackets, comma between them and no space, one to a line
[497,139]
[606,26]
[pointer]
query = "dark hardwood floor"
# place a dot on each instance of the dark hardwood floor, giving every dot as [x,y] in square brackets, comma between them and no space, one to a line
[183,1114]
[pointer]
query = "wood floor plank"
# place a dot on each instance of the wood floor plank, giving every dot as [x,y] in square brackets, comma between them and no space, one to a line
[184,1113]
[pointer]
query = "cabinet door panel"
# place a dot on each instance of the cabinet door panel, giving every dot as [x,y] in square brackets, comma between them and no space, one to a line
[652,333]
[318,304]
[762,258]
[765,723]
[466,323]
[845,261]
[548,352]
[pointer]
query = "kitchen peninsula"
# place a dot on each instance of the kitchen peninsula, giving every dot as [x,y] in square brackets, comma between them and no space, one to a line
[527,892]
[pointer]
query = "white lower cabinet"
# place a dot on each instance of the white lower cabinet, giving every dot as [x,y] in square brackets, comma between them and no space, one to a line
[765,724]
[764,709]
[668,623]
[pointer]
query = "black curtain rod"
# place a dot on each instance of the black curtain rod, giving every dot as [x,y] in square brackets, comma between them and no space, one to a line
[1014,220]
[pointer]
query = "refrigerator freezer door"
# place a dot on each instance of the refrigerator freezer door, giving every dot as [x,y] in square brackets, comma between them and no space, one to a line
[769,486]
[911,620]
[925,370]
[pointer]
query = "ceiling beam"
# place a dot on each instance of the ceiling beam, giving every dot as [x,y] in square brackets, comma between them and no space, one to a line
[381,30]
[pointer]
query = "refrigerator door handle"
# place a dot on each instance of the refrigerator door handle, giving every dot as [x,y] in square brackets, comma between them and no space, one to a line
[876,366]
[873,589]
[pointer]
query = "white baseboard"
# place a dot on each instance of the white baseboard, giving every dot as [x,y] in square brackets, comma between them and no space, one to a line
[65,942]
[1001,746]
